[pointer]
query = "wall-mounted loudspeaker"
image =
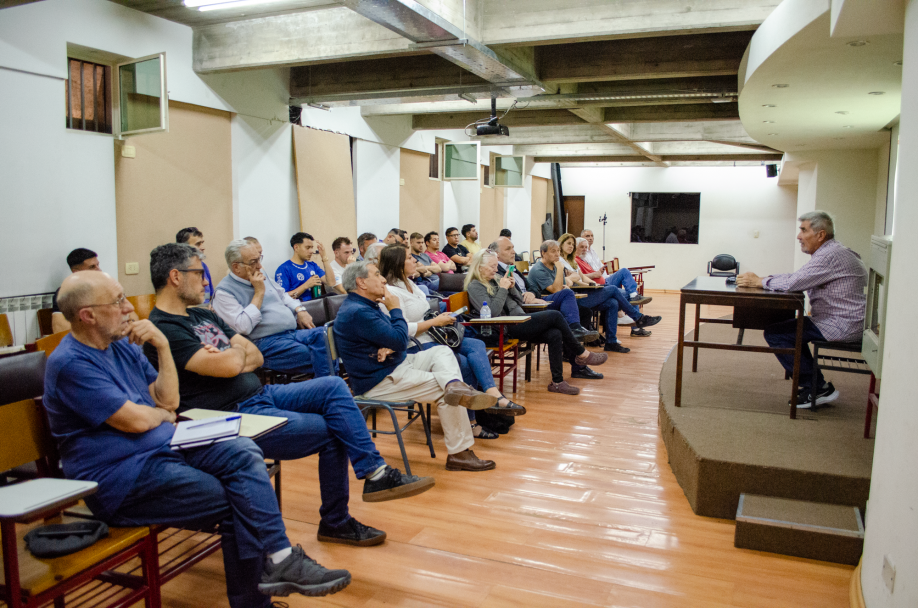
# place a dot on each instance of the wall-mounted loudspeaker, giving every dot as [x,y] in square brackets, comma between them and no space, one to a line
[771,170]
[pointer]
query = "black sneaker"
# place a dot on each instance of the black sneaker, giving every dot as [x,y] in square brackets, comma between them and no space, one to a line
[647,321]
[585,373]
[298,573]
[827,394]
[351,533]
[394,485]
[613,347]
[640,333]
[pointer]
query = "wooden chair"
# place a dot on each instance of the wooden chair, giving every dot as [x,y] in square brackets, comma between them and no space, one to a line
[30,581]
[44,321]
[505,346]
[369,407]
[143,305]
[6,334]
[49,343]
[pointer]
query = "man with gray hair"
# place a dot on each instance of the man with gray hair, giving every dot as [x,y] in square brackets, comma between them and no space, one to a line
[253,305]
[374,347]
[834,278]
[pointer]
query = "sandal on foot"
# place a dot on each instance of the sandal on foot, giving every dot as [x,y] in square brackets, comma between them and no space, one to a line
[511,409]
[483,433]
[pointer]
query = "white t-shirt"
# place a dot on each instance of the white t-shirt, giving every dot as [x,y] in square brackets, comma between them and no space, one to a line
[338,270]
[414,305]
[592,258]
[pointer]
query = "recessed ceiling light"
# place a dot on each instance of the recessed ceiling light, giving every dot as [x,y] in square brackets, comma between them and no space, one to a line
[858,43]
[843,112]
[780,86]
[769,105]
[769,122]
[877,93]
[846,126]
[898,63]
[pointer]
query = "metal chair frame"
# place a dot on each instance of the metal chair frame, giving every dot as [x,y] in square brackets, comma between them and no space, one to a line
[851,365]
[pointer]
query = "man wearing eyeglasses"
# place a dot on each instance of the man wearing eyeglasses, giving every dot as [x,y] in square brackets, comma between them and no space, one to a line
[253,305]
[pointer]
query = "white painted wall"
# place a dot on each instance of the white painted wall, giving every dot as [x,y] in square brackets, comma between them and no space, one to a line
[806,202]
[376,186]
[734,203]
[892,524]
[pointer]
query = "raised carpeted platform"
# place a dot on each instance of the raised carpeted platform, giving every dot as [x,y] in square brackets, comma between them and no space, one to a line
[733,435]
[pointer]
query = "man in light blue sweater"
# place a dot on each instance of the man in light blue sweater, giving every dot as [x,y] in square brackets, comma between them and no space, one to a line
[255,306]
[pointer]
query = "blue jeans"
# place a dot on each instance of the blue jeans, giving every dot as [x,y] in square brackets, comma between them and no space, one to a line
[608,301]
[622,278]
[564,301]
[300,351]
[226,484]
[784,335]
[322,419]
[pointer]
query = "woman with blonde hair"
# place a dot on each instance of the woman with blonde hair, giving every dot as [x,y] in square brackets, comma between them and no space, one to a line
[549,327]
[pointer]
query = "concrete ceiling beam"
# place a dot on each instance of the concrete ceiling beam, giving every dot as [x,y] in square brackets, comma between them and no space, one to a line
[549,21]
[720,130]
[568,134]
[666,158]
[516,118]
[673,113]
[643,58]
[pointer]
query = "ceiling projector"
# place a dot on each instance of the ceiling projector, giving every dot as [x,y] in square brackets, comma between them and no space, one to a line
[491,127]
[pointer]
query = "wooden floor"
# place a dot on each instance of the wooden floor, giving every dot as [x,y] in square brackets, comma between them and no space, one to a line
[582,510]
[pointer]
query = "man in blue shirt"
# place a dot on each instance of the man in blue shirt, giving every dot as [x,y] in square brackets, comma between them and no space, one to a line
[112,415]
[299,276]
[195,238]
[373,347]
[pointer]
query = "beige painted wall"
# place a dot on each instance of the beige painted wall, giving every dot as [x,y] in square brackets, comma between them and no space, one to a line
[419,198]
[324,185]
[177,179]
[491,211]
[542,199]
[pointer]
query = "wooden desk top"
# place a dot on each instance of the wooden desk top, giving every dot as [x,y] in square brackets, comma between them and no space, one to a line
[718,286]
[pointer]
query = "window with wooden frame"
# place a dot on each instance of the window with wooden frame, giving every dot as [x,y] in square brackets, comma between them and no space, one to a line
[89,96]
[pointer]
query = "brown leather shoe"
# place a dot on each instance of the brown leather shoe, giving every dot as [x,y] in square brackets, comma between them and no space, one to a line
[590,358]
[564,388]
[468,461]
[460,393]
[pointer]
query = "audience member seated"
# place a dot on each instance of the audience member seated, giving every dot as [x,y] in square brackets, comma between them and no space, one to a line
[373,347]
[112,415]
[547,327]
[546,278]
[455,251]
[215,367]
[395,266]
[364,241]
[564,301]
[834,279]
[432,245]
[470,234]
[255,306]
[592,267]
[195,238]
[505,232]
[345,254]
[78,260]
[394,237]
[427,272]
[299,276]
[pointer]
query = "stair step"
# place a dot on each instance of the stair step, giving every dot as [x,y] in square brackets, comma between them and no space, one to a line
[832,533]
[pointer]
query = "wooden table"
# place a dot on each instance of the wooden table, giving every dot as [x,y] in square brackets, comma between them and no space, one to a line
[758,307]
[503,367]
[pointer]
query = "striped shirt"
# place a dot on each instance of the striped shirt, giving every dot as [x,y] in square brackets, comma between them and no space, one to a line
[834,279]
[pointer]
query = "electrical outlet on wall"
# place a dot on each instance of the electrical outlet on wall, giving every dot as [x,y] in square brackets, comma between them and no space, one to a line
[132,268]
[889,573]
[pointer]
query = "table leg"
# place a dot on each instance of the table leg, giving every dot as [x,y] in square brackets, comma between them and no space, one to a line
[679,348]
[798,348]
[697,337]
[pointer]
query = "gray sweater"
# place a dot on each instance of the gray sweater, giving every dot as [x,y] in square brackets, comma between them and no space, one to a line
[503,303]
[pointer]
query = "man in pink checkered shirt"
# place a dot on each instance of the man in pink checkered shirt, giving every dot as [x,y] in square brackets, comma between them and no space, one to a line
[834,279]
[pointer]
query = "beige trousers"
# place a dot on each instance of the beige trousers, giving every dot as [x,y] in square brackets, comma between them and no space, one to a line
[423,378]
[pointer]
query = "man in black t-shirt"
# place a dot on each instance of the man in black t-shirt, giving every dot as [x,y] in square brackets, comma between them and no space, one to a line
[215,366]
[456,252]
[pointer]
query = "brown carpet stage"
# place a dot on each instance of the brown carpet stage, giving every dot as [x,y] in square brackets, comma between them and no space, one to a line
[733,434]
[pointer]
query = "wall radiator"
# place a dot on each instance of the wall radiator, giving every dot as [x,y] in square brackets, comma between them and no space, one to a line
[23,317]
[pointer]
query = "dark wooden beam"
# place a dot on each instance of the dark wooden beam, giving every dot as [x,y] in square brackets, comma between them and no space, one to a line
[642,58]
[673,112]
[663,158]
[516,118]
[424,72]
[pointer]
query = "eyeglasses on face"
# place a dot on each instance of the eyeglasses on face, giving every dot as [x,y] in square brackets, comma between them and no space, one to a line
[117,302]
[252,262]
[197,271]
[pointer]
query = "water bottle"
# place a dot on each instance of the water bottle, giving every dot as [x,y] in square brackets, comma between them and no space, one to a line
[485,314]
[316,291]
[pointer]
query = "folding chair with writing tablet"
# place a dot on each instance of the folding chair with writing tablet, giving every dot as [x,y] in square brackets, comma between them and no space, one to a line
[369,406]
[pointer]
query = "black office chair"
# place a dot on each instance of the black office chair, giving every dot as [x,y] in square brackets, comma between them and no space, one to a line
[723,265]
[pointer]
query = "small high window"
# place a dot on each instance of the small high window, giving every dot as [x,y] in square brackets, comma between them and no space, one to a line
[89,96]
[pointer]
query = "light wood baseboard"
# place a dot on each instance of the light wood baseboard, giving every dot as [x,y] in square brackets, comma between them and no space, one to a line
[855,593]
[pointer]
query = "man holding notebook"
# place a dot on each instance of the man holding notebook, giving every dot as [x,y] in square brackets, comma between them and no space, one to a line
[111,414]
[215,367]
